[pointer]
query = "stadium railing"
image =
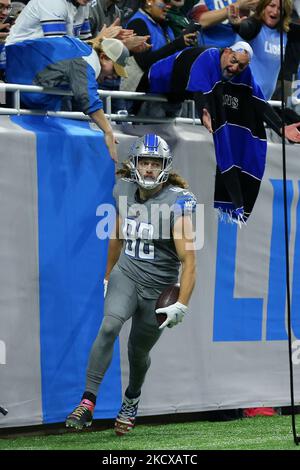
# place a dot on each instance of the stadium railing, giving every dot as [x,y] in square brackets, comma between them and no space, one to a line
[107,95]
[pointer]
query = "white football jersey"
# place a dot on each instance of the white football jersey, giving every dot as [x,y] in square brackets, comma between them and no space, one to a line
[45,18]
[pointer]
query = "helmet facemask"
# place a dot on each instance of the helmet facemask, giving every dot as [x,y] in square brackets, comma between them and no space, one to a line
[153,147]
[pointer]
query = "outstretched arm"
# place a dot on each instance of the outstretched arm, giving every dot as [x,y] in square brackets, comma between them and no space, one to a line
[208,18]
[202,108]
[100,119]
[291,132]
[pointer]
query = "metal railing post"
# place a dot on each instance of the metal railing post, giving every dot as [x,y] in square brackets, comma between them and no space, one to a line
[17,100]
[108,106]
[193,112]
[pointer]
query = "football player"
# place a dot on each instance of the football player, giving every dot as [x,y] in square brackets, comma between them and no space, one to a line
[153,237]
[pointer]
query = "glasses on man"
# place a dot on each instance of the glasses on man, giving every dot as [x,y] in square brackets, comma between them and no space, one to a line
[8,8]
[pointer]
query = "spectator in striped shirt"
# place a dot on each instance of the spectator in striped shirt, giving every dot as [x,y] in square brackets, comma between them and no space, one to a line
[44,18]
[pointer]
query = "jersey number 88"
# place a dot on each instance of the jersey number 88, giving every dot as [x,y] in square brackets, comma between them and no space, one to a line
[138,238]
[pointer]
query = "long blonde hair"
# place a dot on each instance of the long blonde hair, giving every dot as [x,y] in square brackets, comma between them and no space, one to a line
[96,44]
[287,12]
[174,179]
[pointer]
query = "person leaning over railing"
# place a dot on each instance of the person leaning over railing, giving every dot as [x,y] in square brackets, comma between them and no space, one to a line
[105,21]
[232,107]
[69,64]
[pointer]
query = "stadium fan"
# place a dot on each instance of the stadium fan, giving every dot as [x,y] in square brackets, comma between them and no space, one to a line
[213,17]
[104,17]
[262,32]
[103,12]
[149,21]
[105,20]
[233,108]
[128,8]
[176,18]
[41,18]
[68,63]
[44,18]
[142,263]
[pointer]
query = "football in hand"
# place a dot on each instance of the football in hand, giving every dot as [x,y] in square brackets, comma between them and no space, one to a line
[169,296]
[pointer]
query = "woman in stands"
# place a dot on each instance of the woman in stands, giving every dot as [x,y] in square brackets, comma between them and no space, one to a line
[262,32]
[149,20]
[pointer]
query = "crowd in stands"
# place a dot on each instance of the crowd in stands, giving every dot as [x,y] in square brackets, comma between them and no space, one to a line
[155,29]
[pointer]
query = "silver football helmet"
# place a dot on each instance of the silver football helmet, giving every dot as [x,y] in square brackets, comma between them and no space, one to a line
[150,146]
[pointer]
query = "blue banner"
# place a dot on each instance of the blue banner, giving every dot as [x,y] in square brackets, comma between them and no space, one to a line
[75,176]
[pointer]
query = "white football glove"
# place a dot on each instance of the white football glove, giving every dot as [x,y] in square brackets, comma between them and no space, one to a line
[105,283]
[175,314]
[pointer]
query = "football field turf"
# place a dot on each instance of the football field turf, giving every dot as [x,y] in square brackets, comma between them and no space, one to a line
[269,433]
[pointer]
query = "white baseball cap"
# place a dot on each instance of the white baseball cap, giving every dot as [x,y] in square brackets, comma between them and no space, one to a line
[118,53]
[242,46]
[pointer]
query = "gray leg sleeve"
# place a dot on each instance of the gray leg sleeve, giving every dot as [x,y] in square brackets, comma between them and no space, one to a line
[101,353]
[143,336]
[120,304]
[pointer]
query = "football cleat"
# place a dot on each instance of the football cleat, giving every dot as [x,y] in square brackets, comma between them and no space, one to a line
[82,416]
[126,418]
